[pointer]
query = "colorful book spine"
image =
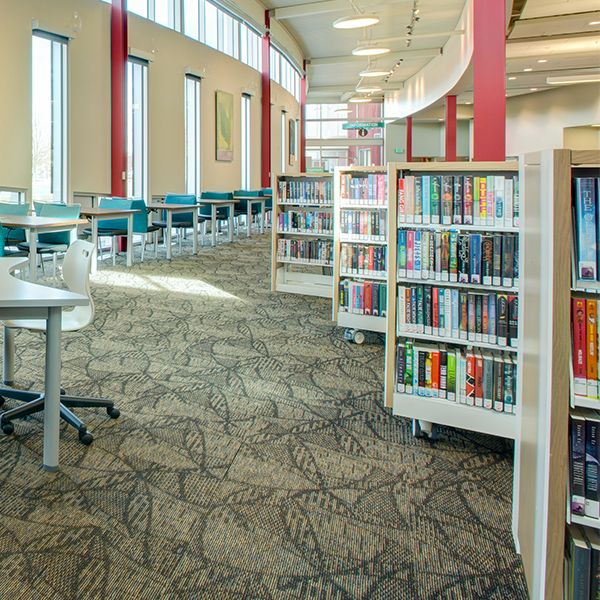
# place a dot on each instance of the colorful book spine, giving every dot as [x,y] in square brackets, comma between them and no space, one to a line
[586,228]
[577,464]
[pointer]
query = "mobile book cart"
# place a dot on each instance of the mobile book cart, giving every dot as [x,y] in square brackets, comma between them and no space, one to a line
[360,250]
[302,249]
[425,391]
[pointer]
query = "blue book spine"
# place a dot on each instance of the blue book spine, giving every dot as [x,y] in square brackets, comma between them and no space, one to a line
[492,317]
[402,253]
[585,208]
[455,313]
[417,255]
[475,258]
[426,190]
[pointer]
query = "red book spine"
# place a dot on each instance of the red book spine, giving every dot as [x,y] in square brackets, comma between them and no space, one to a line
[435,373]
[479,380]
[368,298]
[470,380]
[435,310]
[578,323]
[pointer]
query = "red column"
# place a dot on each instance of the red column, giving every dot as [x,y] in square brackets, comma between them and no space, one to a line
[409,139]
[489,80]
[450,128]
[265,176]
[303,122]
[118,74]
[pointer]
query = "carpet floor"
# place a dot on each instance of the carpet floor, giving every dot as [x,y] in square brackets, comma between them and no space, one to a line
[252,459]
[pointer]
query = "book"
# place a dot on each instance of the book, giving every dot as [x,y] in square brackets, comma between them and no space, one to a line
[436,198]
[586,235]
[577,463]
[592,461]
[447,191]
[457,202]
[579,553]
[579,350]
[591,359]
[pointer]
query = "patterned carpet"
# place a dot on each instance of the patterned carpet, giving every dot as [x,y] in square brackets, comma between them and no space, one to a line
[252,459]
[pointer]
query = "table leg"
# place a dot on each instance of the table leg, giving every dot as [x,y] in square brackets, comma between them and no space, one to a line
[213,224]
[262,216]
[169,232]
[95,244]
[130,240]
[195,236]
[32,255]
[230,223]
[52,392]
[8,365]
[248,217]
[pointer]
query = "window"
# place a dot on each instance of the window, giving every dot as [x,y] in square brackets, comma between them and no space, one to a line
[210,25]
[191,19]
[137,128]
[9,196]
[49,118]
[164,12]
[282,142]
[192,135]
[284,73]
[245,142]
[139,7]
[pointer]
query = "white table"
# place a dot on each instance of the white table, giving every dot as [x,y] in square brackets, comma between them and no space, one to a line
[251,200]
[214,204]
[171,209]
[24,300]
[34,225]
[108,214]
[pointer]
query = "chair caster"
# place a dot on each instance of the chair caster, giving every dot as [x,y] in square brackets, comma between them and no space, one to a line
[424,429]
[86,438]
[354,335]
[8,428]
[63,392]
[113,413]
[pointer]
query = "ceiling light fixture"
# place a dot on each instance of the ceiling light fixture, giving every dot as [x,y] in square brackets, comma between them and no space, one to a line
[527,69]
[512,78]
[360,99]
[368,89]
[367,50]
[356,21]
[569,79]
[594,23]
[542,60]
[375,73]
[533,89]
[344,111]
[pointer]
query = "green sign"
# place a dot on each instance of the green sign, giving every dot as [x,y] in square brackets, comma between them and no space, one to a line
[363,125]
[399,150]
[315,170]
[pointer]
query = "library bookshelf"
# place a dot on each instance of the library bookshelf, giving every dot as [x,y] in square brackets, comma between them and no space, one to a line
[541,506]
[360,248]
[302,235]
[404,280]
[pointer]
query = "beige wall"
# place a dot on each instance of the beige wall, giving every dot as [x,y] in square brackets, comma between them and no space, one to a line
[581,138]
[89,73]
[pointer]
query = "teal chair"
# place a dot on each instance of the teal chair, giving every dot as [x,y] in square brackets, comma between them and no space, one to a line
[205,210]
[55,242]
[142,227]
[14,236]
[268,204]
[241,207]
[111,228]
[180,221]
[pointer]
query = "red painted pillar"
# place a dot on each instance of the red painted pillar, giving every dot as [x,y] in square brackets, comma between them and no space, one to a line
[118,74]
[450,133]
[265,176]
[489,80]
[409,132]
[303,121]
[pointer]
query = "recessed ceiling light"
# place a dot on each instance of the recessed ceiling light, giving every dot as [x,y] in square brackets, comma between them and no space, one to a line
[567,79]
[369,50]
[367,89]
[359,99]
[440,119]
[356,21]
[344,111]
[468,102]
[596,125]
[594,23]
[542,60]
[512,78]
[374,73]
[533,89]
[527,69]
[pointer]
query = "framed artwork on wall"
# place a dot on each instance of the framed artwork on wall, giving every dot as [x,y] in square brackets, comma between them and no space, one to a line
[292,141]
[224,125]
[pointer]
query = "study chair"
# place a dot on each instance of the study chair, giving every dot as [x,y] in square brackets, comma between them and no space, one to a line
[268,204]
[180,221]
[58,241]
[76,275]
[141,226]
[206,210]
[241,206]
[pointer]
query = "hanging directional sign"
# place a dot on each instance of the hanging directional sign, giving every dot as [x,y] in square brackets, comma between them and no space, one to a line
[363,125]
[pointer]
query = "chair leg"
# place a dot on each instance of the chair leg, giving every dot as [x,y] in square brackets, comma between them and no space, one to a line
[54,264]
[143,245]
[85,402]
[156,243]
[114,250]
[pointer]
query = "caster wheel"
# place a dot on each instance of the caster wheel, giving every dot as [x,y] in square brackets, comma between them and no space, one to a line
[8,428]
[86,438]
[358,338]
[424,429]
[113,413]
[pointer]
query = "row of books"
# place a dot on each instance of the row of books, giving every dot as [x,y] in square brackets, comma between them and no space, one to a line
[586,198]
[315,251]
[363,297]
[582,564]
[368,189]
[490,318]
[364,224]
[585,355]
[362,259]
[491,200]
[482,379]
[306,191]
[584,457]
[303,221]
[486,259]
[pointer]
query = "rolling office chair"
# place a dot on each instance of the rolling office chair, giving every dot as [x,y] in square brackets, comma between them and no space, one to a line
[76,272]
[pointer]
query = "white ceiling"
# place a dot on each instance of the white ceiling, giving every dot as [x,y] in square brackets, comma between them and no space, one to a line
[555,31]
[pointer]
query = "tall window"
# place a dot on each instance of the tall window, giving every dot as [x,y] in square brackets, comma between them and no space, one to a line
[192,135]
[49,118]
[282,141]
[245,141]
[137,128]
